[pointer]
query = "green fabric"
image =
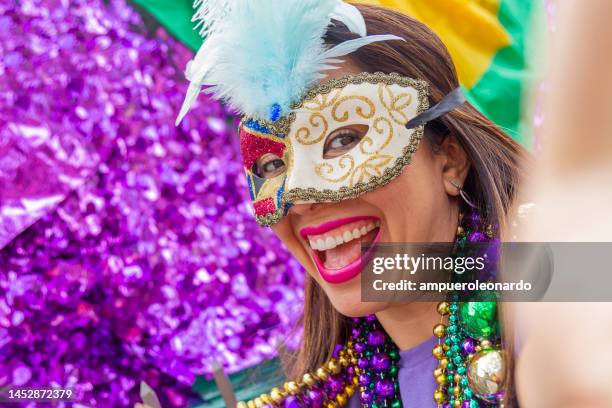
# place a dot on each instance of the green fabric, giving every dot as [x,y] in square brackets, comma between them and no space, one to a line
[499,94]
[248,384]
[175,15]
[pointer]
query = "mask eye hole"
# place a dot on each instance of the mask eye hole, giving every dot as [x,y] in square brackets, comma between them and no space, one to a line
[269,166]
[342,140]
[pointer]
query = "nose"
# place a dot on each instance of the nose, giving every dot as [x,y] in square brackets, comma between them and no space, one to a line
[306,208]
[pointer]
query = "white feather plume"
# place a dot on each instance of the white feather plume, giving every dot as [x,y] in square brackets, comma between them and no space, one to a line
[264,53]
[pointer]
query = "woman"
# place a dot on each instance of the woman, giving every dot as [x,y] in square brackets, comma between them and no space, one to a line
[358,150]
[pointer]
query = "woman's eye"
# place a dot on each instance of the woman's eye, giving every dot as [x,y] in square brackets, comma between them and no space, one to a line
[268,166]
[343,140]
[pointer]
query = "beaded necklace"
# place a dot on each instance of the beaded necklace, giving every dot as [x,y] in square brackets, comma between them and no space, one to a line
[471,364]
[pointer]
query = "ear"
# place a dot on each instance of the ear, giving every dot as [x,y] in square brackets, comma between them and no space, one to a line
[456,165]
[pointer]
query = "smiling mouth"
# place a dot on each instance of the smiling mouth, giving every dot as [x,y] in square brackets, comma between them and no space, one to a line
[336,246]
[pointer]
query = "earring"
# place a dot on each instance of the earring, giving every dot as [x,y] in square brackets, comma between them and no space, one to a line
[463,194]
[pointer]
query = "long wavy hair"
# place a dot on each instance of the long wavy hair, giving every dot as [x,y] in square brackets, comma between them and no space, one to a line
[496,159]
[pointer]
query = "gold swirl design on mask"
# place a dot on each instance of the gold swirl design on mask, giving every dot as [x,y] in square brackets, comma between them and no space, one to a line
[324,170]
[371,168]
[367,113]
[322,101]
[394,104]
[303,134]
[367,140]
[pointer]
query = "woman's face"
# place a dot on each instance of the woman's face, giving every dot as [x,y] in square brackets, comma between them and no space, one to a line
[420,205]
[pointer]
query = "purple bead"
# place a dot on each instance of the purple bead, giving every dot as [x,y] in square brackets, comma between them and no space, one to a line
[367,396]
[376,338]
[380,362]
[371,318]
[446,405]
[384,388]
[359,347]
[362,362]
[292,402]
[364,379]
[477,236]
[335,384]
[468,346]
[337,350]
[316,398]
[356,332]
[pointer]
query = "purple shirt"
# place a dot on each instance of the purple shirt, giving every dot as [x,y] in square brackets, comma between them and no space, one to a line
[416,381]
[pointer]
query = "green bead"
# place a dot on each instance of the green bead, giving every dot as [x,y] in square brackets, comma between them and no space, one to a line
[393,370]
[448,341]
[396,404]
[461,370]
[375,405]
[452,329]
[478,318]
[394,354]
[450,378]
[458,360]
[464,382]
[450,366]
[467,393]
[455,349]
[453,307]
[452,319]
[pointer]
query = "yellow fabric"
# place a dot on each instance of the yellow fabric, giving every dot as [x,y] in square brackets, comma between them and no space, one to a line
[470,30]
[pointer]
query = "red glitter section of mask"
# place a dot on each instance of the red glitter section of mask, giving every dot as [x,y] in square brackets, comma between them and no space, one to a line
[254,146]
[264,207]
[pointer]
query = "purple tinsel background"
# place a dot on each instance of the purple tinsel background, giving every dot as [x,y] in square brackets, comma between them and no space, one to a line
[128,250]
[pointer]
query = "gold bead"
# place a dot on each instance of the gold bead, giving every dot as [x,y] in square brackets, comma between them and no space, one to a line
[322,374]
[457,390]
[251,404]
[439,330]
[344,362]
[333,366]
[460,231]
[341,398]
[438,371]
[349,344]
[291,387]
[444,362]
[438,351]
[443,308]
[441,380]
[445,347]
[457,378]
[355,381]
[457,403]
[258,403]
[266,398]
[350,389]
[332,404]
[354,360]
[485,344]
[242,405]
[439,396]
[308,379]
[277,395]
[478,348]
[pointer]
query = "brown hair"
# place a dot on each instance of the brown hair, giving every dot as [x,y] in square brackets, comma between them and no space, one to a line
[496,159]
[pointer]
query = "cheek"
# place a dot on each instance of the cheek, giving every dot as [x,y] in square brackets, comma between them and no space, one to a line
[413,200]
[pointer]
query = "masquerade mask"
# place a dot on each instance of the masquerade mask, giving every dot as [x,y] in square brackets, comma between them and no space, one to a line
[335,141]
[347,137]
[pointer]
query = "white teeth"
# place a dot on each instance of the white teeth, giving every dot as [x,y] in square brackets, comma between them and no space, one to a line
[320,245]
[329,242]
[347,236]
